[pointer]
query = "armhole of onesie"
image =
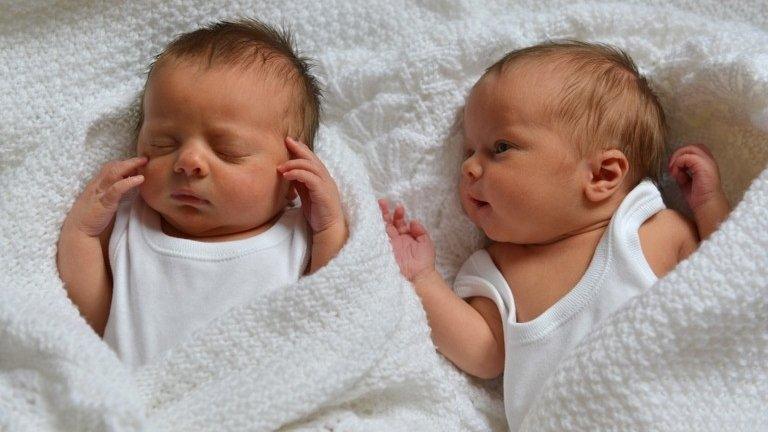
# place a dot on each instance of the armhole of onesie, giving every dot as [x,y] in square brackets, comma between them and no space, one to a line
[120,228]
[645,209]
[472,282]
[305,243]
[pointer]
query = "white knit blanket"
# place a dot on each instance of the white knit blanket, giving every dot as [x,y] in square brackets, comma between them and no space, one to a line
[348,348]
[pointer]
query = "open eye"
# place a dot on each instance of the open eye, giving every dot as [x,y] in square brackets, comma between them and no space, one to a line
[501,146]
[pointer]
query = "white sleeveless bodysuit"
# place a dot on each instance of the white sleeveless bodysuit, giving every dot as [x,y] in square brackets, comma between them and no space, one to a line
[618,271]
[163,287]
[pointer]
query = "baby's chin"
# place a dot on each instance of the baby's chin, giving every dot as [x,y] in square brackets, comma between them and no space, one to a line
[205,228]
[489,230]
[495,236]
[191,229]
[505,234]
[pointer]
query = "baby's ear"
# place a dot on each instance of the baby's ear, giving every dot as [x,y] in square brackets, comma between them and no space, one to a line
[608,170]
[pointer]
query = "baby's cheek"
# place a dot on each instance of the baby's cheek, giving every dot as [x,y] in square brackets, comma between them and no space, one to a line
[150,169]
[262,190]
[153,176]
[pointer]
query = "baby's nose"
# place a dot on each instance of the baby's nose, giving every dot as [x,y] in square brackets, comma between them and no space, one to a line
[189,171]
[471,168]
[191,163]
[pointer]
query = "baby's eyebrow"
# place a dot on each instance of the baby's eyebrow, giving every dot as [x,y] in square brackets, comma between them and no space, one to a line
[223,132]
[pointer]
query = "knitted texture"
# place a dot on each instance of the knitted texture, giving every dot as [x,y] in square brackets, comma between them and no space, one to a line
[348,347]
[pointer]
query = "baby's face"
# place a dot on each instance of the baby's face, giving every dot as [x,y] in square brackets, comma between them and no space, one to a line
[214,138]
[520,180]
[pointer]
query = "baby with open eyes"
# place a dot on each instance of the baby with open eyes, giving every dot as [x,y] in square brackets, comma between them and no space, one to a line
[564,143]
[205,217]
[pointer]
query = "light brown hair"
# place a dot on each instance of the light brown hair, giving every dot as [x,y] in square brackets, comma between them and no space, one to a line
[604,101]
[247,43]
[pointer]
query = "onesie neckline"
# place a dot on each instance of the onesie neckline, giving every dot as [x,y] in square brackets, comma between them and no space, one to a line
[565,308]
[151,232]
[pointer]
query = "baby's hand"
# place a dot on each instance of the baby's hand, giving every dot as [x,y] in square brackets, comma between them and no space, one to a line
[414,250]
[320,200]
[695,171]
[94,208]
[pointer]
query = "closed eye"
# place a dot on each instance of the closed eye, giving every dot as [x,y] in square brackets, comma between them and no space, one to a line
[228,157]
[230,150]
[162,146]
[468,153]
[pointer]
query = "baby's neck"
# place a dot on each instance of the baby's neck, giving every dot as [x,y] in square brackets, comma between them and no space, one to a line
[169,230]
[541,274]
[594,229]
[589,223]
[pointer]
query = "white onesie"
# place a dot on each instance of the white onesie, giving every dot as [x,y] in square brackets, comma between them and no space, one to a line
[618,271]
[163,287]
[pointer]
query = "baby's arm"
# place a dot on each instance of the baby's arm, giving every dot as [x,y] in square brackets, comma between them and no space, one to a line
[468,333]
[695,170]
[82,250]
[320,202]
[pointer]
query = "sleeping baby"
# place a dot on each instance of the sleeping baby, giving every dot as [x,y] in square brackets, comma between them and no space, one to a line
[205,217]
[564,142]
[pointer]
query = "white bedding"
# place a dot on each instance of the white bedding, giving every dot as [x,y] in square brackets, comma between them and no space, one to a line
[348,347]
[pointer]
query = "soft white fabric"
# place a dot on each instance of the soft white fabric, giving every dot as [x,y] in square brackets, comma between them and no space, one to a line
[617,272]
[164,288]
[347,348]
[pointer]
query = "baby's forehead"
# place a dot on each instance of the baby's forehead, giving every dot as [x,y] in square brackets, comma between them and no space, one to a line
[254,84]
[254,72]
[527,88]
[525,76]
[515,101]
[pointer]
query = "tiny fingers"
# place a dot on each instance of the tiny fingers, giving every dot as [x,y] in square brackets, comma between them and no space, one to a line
[399,212]
[680,176]
[298,148]
[397,222]
[681,166]
[384,207]
[302,164]
[689,163]
[696,150]
[311,180]
[704,149]
[114,171]
[417,229]
[391,231]
[399,219]
[111,197]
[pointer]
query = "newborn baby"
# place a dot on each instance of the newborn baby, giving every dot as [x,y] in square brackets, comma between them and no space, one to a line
[563,142]
[225,113]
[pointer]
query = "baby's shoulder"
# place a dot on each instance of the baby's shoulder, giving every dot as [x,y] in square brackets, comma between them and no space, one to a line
[667,238]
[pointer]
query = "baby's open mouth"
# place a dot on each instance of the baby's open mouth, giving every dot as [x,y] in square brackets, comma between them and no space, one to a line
[478,203]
